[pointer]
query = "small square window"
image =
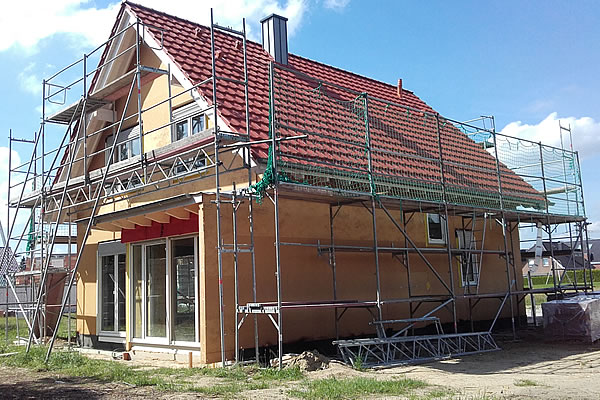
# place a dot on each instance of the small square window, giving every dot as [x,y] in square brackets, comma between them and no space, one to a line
[436,229]
[546,262]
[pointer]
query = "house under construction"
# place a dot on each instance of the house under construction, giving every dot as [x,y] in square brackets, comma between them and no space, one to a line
[226,196]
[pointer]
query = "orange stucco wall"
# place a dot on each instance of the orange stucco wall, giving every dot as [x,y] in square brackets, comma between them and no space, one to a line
[307,276]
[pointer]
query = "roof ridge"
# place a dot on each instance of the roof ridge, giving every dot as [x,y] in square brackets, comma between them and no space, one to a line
[130,3]
[391,86]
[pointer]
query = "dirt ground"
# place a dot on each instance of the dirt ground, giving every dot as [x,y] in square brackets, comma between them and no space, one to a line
[522,370]
[529,368]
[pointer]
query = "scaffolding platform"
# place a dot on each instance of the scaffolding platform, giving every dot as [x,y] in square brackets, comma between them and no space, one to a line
[73,112]
[118,88]
[271,307]
[105,95]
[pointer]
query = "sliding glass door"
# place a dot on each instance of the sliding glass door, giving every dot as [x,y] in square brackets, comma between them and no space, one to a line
[164,288]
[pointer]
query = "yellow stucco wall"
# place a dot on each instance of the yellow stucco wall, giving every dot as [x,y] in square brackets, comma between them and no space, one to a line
[87,277]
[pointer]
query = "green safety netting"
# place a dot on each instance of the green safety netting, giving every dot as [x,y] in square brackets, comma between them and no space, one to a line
[414,155]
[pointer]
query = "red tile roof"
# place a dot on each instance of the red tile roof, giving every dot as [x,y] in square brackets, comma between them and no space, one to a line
[393,128]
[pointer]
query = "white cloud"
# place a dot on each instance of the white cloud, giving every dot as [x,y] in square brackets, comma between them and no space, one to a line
[231,12]
[24,24]
[585,130]
[336,5]
[29,81]
[15,161]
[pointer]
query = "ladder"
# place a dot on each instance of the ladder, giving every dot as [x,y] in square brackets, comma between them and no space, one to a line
[235,197]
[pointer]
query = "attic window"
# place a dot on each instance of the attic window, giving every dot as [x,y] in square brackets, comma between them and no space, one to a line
[128,144]
[189,126]
[188,121]
[546,262]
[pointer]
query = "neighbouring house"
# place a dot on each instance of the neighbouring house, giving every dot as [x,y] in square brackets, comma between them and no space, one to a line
[559,255]
[594,246]
[556,260]
[367,204]
[59,262]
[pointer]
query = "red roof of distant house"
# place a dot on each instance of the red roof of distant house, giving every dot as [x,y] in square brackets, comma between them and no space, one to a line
[188,45]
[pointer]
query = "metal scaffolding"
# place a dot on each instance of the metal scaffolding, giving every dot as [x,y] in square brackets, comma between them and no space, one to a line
[343,120]
[515,182]
[52,195]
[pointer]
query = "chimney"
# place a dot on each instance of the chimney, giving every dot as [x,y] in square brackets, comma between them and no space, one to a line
[274,37]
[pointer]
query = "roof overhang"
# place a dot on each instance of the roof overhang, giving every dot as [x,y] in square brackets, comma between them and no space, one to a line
[181,207]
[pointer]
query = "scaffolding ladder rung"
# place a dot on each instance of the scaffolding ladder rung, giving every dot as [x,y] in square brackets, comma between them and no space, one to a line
[232,80]
[238,251]
[228,29]
[145,68]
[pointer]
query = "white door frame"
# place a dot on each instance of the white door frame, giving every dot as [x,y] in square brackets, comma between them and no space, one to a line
[168,340]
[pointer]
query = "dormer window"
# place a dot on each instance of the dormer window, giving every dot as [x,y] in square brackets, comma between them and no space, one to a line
[188,121]
[182,128]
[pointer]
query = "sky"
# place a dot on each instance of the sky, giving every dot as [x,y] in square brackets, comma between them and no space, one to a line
[529,64]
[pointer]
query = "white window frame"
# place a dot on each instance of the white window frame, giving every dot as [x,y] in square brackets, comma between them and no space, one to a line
[470,257]
[442,223]
[111,249]
[196,294]
[546,261]
[126,134]
[186,114]
[144,339]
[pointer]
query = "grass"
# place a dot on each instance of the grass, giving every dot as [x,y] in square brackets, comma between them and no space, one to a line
[436,393]
[358,364]
[229,382]
[355,388]
[538,298]
[525,382]
[63,328]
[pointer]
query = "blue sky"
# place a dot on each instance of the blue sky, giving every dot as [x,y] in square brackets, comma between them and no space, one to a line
[527,63]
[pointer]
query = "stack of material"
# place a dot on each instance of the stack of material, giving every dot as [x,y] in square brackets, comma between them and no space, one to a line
[575,318]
